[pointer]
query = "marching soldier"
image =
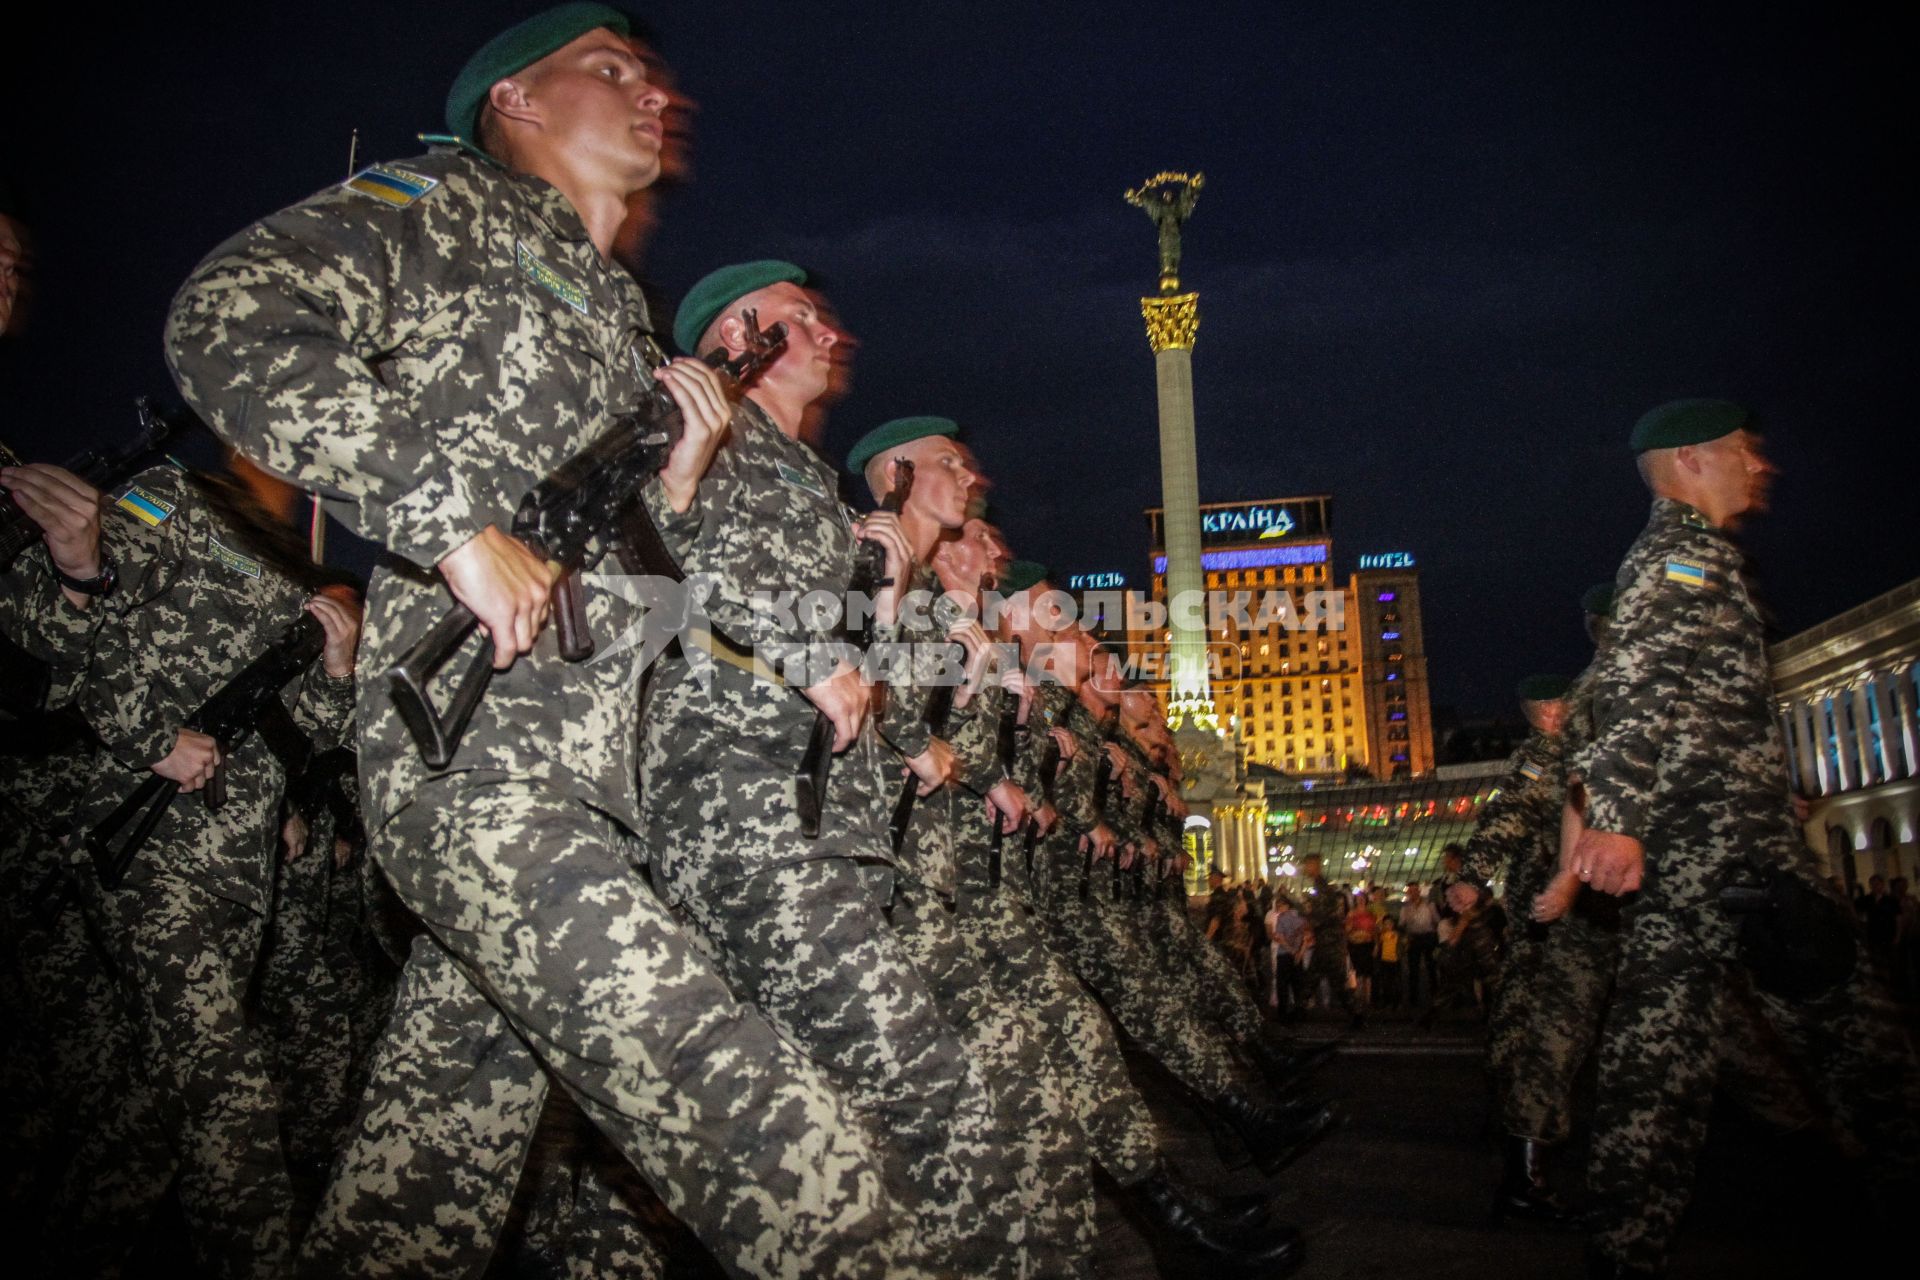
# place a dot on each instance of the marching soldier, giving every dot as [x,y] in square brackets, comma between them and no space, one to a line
[1517,840]
[800,924]
[945,838]
[423,344]
[1686,788]
[997,920]
[200,588]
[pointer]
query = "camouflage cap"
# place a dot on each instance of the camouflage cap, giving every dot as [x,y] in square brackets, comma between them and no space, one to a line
[714,292]
[1542,688]
[1683,422]
[1020,575]
[891,435]
[515,49]
[1598,600]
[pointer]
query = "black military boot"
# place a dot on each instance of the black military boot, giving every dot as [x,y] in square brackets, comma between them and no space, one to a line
[1276,1250]
[1237,1213]
[1285,1070]
[1523,1186]
[1275,1136]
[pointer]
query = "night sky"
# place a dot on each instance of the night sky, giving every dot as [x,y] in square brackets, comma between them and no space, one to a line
[1446,254]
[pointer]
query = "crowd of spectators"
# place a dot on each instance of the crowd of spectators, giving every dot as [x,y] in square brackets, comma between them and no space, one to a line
[1433,948]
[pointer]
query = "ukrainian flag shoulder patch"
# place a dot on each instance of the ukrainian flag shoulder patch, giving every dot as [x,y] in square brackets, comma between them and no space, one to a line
[145,507]
[1531,771]
[392,184]
[1690,572]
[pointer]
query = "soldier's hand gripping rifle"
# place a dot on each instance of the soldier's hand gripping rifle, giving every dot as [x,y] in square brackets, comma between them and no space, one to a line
[1006,741]
[1049,776]
[102,470]
[248,702]
[868,579]
[1102,782]
[1149,819]
[934,713]
[571,518]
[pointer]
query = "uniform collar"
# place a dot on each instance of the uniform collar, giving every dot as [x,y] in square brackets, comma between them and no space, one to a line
[1675,512]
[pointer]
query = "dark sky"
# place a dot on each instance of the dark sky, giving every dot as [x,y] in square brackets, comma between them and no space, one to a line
[1446,254]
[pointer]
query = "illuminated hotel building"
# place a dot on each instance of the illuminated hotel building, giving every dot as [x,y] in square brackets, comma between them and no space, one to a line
[1334,682]
[1385,618]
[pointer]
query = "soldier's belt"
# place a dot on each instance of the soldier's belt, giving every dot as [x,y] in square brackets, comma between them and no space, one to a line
[724,650]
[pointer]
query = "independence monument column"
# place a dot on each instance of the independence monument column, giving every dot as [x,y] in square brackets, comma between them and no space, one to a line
[1173,321]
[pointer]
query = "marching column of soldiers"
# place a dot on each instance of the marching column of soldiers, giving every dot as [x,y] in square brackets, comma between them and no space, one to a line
[861,1019]
[307,944]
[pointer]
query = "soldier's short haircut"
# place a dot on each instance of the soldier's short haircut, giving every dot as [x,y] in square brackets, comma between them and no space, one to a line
[491,135]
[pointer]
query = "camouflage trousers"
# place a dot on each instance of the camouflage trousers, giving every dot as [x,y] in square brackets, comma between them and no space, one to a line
[548,959]
[1106,1105]
[1001,924]
[809,945]
[1040,1212]
[583,1210]
[1659,1062]
[1219,993]
[183,959]
[1120,970]
[320,1001]
[69,1066]
[1515,1001]
[1546,1018]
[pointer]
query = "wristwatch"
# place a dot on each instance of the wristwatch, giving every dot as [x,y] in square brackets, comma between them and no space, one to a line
[100,584]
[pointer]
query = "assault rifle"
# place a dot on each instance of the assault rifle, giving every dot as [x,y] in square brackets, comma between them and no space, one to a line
[571,518]
[935,712]
[1149,819]
[1006,736]
[869,576]
[248,702]
[1102,782]
[102,470]
[1049,778]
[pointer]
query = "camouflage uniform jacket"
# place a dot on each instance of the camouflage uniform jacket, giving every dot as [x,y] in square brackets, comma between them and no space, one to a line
[1517,835]
[423,344]
[1686,755]
[1075,787]
[50,758]
[935,835]
[721,743]
[194,605]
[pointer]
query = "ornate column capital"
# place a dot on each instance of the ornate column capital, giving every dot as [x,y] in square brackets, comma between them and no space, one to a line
[1172,323]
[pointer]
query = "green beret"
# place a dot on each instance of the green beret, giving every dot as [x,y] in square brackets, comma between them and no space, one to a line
[1020,575]
[517,48]
[1684,422]
[1598,600]
[717,290]
[891,435]
[1543,688]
